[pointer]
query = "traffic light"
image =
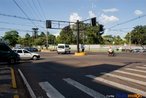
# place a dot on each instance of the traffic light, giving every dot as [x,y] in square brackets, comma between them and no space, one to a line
[101,27]
[48,24]
[93,21]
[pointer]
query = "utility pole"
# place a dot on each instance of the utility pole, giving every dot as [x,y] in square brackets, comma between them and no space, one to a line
[78,38]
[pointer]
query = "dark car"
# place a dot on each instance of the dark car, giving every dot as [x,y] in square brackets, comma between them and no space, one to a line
[7,54]
[31,49]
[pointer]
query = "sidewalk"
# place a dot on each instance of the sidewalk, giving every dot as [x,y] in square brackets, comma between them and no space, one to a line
[8,88]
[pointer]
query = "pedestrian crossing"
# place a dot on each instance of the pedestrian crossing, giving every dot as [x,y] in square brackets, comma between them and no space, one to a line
[5,82]
[130,79]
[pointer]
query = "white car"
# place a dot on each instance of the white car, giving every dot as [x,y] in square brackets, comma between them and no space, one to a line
[25,54]
[63,48]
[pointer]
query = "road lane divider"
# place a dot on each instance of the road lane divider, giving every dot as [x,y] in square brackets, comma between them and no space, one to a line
[118,85]
[32,94]
[84,88]
[51,92]
[14,85]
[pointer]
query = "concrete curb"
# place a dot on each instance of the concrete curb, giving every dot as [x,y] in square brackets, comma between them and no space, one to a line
[14,85]
[80,54]
[16,96]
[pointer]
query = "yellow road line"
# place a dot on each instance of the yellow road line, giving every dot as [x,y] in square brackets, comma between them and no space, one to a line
[16,96]
[13,78]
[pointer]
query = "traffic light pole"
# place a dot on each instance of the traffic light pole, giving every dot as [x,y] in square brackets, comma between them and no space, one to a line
[78,38]
[49,22]
[47,39]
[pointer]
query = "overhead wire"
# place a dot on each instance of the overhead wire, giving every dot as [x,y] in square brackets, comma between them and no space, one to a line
[24,12]
[3,28]
[41,9]
[19,17]
[3,22]
[34,13]
[34,4]
[130,20]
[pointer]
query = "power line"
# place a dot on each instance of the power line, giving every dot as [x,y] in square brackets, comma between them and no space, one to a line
[41,9]
[130,20]
[24,12]
[14,23]
[19,17]
[29,5]
[3,28]
[36,8]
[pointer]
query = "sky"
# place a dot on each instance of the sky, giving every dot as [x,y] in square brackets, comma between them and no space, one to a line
[110,13]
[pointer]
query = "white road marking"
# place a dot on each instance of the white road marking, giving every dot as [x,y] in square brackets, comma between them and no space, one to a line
[133,74]
[5,77]
[135,70]
[5,72]
[126,79]
[118,85]
[84,88]
[5,68]
[141,67]
[27,85]
[50,90]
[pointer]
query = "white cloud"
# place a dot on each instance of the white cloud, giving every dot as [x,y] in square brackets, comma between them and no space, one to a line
[138,12]
[110,10]
[91,14]
[105,19]
[74,17]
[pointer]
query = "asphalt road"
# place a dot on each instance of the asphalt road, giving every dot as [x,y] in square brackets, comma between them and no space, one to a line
[92,76]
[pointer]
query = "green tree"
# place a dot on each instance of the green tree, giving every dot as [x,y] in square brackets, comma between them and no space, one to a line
[12,37]
[89,34]
[42,34]
[108,39]
[51,39]
[67,36]
[137,35]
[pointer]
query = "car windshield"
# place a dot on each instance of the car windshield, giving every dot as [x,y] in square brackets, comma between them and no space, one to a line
[67,46]
[25,51]
[61,47]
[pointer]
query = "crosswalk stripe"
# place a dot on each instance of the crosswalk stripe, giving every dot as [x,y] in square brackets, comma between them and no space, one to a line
[2,77]
[135,70]
[50,90]
[133,74]
[5,68]
[5,71]
[84,88]
[118,85]
[126,79]
[141,67]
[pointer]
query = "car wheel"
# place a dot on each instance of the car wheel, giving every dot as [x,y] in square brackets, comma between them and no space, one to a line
[34,57]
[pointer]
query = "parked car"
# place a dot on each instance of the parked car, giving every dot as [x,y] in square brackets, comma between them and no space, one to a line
[25,54]
[31,49]
[135,50]
[142,50]
[7,54]
[63,48]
